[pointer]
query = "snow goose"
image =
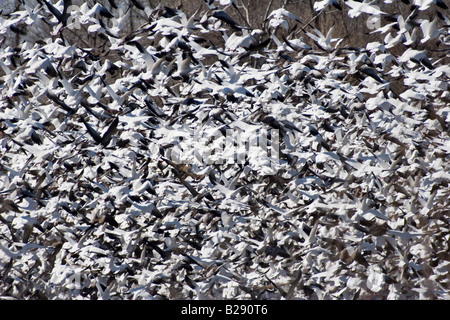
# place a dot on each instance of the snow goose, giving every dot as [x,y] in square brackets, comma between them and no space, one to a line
[320,5]
[356,8]
[106,137]
[429,30]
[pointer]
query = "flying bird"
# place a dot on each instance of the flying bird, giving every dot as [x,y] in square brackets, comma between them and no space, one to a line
[223,16]
[320,5]
[356,8]
[106,138]
[60,16]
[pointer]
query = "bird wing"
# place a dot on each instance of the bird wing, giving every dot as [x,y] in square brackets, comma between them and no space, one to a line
[94,134]
[108,134]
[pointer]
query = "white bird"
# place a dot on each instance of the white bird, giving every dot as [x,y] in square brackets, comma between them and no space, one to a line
[184,66]
[321,41]
[100,9]
[410,38]
[425,4]
[159,66]
[391,41]
[148,58]
[277,18]
[225,2]
[320,5]
[416,56]
[429,30]
[188,24]
[362,7]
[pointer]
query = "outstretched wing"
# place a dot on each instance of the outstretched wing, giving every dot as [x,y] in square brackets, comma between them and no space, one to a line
[108,134]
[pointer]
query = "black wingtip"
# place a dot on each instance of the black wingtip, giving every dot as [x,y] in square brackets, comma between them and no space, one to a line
[108,134]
